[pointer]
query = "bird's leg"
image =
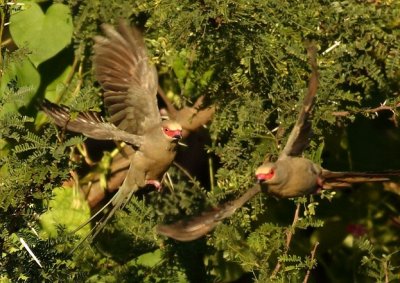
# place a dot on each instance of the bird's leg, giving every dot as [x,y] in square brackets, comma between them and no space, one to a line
[155,183]
[320,185]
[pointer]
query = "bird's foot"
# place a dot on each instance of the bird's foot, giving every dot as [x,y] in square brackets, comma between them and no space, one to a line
[320,186]
[320,183]
[155,183]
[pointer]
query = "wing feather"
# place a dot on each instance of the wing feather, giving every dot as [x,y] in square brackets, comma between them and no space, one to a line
[89,124]
[128,78]
[299,137]
[200,225]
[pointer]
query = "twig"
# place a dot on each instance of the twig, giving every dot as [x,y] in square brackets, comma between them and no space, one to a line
[211,173]
[184,171]
[77,61]
[30,251]
[291,231]
[385,268]
[329,49]
[312,259]
[169,182]
[289,235]
[170,107]
[382,107]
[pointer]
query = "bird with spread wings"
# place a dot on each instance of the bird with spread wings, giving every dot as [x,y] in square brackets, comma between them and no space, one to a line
[130,83]
[290,176]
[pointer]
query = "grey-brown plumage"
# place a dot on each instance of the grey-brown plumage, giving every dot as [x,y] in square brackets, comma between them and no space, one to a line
[297,141]
[89,124]
[296,176]
[130,82]
[290,176]
[188,230]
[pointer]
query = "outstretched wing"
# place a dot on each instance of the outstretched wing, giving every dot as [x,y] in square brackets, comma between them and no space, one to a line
[89,124]
[200,225]
[300,134]
[128,78]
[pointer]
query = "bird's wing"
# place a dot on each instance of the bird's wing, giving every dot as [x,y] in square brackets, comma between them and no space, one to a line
[333,180]
[299,137]
[89,124]
[200,225]
[128,78]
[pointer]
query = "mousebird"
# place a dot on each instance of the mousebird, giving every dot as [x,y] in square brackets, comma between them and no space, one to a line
[290,176]
[130,83]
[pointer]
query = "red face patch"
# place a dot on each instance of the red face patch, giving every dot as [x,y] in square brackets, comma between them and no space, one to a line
[265,177]
[175,134]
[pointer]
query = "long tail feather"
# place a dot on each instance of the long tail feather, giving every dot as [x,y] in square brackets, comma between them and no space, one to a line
[118,201]
[344,179]
[95,215]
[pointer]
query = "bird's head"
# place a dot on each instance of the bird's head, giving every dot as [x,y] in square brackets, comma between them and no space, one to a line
[172,130]
[266,173]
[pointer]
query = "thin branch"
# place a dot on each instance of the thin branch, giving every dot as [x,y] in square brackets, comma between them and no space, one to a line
[77,63]
[382,107]
[170,107]
[289,236]
[291,231]
[184,171]
[385,269]
[312,259]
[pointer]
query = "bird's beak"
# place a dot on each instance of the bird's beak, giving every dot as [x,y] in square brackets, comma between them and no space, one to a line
[177,135]
[261,178]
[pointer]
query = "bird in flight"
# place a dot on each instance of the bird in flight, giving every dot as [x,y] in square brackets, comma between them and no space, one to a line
[130,83]
[290,176]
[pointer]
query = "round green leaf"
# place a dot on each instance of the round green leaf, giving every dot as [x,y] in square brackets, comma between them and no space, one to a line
[43,34]
[25,75]
[66,208]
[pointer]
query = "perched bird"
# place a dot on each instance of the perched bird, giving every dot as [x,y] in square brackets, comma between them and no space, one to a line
[130,82]
[290,176]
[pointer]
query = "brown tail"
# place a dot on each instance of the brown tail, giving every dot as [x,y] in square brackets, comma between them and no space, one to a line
[345,179]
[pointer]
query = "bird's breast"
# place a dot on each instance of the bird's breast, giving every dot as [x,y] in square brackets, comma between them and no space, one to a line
[155,158]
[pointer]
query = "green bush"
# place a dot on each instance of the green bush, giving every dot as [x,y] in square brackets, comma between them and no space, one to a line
[248,58]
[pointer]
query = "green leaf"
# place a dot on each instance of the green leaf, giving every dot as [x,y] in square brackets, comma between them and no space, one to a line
[55,89]
[25,75]
[150,259]
[43,34]
[66,208]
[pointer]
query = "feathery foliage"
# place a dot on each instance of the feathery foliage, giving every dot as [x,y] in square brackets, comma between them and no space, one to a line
[248,58]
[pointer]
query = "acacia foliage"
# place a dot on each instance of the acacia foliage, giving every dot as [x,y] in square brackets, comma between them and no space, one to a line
[249,59]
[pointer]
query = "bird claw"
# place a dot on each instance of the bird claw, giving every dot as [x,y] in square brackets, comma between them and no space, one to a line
[320,183]
[155,183]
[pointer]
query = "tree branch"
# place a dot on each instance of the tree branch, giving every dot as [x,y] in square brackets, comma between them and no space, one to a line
[382,107]
[312,259]
[289,235]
